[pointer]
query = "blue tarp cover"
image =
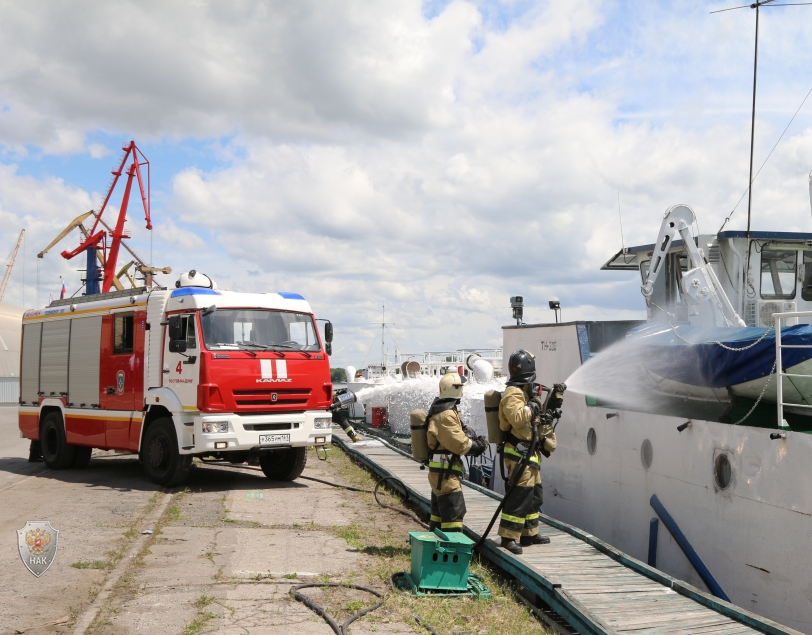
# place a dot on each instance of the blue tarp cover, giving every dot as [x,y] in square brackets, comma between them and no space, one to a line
[703,362]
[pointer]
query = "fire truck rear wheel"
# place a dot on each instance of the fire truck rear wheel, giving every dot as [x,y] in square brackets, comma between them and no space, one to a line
[284,465]
[81,457]
[56,452]
[159,454]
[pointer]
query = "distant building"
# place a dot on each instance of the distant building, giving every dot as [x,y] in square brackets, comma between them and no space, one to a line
[11,325]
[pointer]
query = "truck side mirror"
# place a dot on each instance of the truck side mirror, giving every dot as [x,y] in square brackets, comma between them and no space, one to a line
[328,332]
[328,347]
[177,346]
[173,331]
[177,343]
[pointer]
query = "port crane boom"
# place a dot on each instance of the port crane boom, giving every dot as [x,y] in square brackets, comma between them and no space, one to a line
[10,265]
[97,237]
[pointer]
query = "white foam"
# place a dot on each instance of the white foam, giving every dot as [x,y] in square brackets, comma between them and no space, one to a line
[403,397]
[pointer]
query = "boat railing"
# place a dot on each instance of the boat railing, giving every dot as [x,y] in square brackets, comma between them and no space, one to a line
[780,318]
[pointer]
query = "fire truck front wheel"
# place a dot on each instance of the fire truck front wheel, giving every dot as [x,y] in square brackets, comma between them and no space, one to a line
[283,465]
[159,454]
[57,454]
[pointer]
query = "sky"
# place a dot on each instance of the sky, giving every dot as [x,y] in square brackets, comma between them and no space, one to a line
[438,157]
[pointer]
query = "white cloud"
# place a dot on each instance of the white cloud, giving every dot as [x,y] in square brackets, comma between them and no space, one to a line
[439,165]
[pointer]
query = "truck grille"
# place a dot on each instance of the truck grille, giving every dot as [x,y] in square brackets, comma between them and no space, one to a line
[284,397]
[268,426]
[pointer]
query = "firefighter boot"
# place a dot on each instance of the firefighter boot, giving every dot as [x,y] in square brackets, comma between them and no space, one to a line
[512,546]
[526,541]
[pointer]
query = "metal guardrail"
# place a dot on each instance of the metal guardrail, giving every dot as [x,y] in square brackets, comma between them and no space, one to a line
[779,367]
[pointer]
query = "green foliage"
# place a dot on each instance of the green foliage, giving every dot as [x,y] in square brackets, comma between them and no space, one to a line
[338,375]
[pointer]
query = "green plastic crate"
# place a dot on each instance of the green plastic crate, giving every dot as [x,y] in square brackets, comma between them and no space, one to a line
[440,560]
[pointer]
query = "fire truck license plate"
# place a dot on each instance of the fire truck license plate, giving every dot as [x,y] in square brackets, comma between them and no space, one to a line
[269,439]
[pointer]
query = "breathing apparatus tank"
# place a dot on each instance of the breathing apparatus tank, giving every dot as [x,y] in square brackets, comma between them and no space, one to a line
[495,433]
[419,426]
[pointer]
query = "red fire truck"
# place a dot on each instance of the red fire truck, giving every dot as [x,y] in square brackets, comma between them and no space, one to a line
[172,374]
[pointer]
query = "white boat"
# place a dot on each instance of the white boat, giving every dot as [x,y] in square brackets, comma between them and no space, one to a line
[647,439]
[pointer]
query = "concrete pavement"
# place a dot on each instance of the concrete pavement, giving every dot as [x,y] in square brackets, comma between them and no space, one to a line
[225,552]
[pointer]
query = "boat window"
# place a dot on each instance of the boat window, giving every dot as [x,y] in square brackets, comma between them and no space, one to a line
[778,268]
[723,471]
[806,289]
[646,453]
[644,266]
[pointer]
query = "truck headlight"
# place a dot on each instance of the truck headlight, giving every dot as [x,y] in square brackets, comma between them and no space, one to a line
[210,427]
[322,423]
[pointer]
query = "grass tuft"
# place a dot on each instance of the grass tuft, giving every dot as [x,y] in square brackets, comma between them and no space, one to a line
[203,601]
[91,564]
[199,623]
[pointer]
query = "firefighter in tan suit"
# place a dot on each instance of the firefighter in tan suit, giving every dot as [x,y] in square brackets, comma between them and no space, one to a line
[518,412]
[448,441]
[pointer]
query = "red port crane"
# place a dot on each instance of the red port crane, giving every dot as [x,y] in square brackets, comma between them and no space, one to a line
[97,239]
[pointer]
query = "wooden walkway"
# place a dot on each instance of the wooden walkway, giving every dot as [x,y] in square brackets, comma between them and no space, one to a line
[596,588]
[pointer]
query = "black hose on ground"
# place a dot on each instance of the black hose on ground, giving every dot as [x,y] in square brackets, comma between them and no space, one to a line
[307,478]
[399,510]
[416,617]
[349,487]
[338,629]
[374,492]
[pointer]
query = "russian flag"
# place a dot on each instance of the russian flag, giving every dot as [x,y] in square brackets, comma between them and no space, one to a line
[62,293]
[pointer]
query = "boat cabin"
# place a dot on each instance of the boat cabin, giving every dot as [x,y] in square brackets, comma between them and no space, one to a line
[765,273]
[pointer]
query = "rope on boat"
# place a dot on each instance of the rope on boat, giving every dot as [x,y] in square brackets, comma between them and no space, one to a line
[725,346]
[735,350]
[763,390]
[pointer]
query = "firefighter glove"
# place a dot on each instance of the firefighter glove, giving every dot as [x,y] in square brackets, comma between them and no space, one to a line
[536,407]
[478,446]
[557,397]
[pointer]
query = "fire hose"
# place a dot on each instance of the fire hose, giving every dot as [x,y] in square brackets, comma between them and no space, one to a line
[550,412]
[513,483]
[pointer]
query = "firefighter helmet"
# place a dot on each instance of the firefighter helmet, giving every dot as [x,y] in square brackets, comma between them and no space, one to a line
[451,386]
[522,367]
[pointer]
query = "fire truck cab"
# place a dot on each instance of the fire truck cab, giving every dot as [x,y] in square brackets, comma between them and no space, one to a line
[172,374]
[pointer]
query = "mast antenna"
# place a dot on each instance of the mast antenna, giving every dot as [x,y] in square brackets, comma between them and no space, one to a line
[757,6]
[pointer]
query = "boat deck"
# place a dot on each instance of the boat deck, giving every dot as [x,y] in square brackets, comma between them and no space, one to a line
[593,586]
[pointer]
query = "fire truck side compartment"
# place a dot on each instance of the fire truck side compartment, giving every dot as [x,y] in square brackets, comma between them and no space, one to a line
[29,368]
[53,379]
[83,377]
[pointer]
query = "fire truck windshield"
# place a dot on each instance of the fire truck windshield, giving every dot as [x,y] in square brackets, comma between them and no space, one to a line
[259,329]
